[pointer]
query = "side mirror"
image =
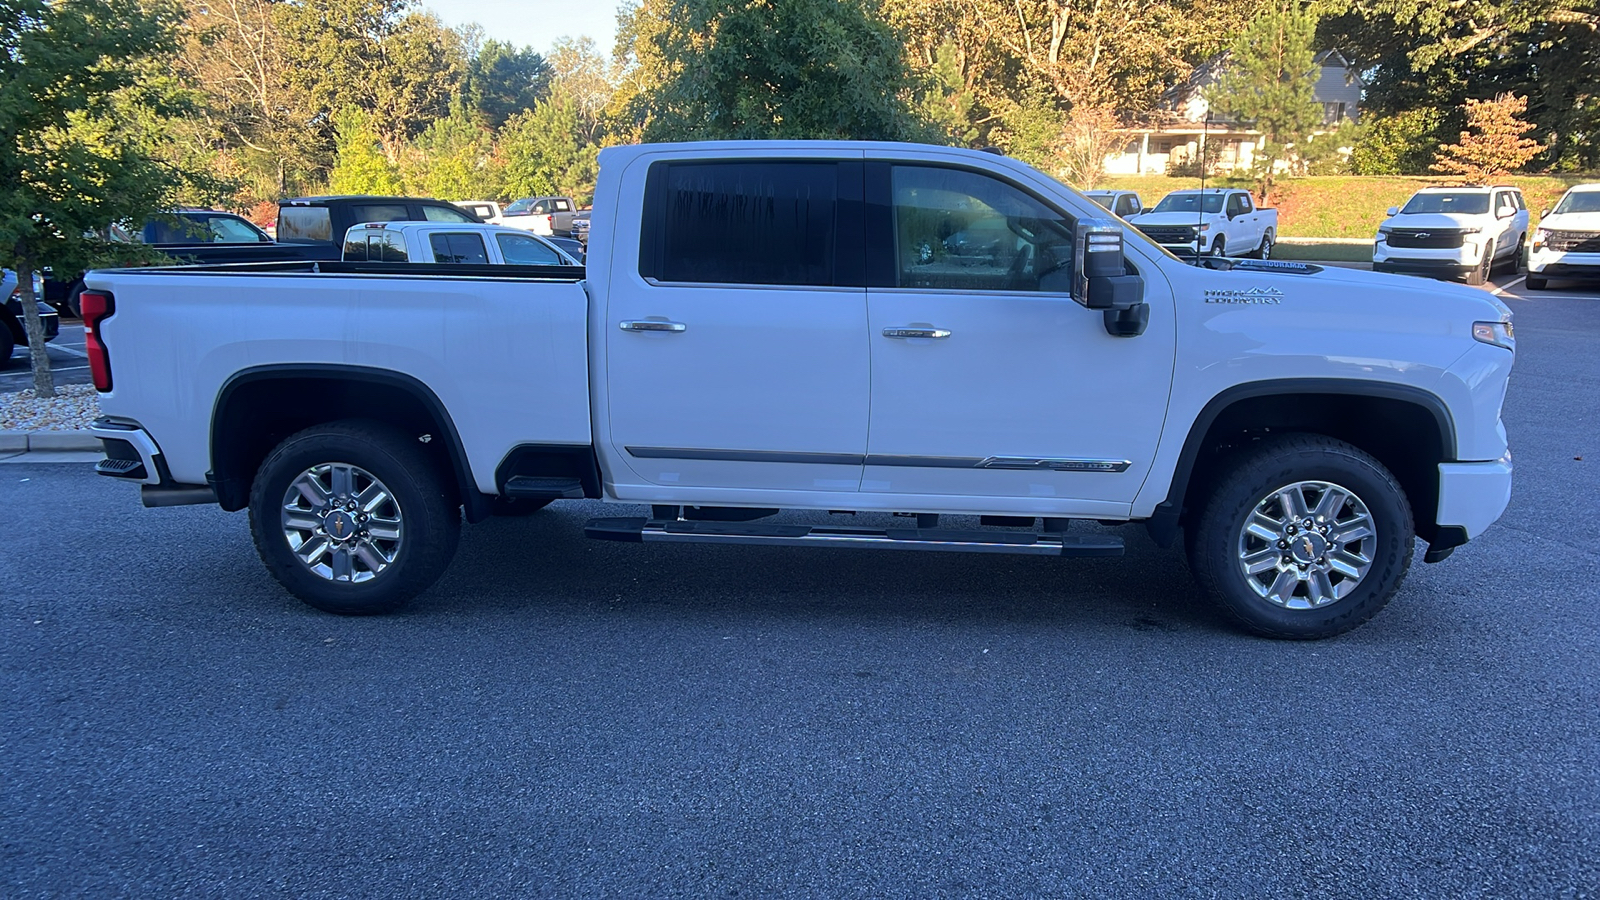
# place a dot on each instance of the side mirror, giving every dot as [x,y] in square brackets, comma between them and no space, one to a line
[1101,280]
[1544,212]
[1394,211]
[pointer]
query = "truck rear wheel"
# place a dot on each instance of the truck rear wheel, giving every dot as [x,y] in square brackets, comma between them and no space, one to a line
[1306,537]
[353,517]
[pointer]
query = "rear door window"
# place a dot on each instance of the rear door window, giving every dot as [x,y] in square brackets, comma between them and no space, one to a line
[380,212]
[385,247]
[757,222]
[461,248]
[445,214]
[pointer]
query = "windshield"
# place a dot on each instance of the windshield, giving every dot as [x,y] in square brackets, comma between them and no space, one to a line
[518,206]
[1189,203]
[1578,201]
[1469,203]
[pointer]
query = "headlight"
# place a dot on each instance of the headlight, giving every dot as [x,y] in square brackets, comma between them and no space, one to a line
[1471,229]
[1496,333]
[1541,236]
[1385,229]
[1205,226]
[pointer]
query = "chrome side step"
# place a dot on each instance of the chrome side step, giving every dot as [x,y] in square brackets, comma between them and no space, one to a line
[640,530]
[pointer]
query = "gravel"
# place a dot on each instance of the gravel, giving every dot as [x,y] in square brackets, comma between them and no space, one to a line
[71,409]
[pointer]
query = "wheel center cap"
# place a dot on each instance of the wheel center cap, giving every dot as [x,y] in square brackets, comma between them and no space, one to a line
[339,525]
[1307,547]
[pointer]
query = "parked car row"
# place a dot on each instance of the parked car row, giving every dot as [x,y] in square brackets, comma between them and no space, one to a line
[1465,231]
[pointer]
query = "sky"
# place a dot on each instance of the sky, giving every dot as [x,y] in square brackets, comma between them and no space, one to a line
[534,23]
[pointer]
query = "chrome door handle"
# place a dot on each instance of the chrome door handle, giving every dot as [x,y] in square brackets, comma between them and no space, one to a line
[915,333]
[653,325]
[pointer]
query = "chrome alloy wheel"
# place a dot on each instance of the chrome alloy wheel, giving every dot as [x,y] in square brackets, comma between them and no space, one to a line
[1307,544]
[341,522]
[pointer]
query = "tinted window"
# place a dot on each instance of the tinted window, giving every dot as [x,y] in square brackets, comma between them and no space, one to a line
[747,222]
[355,246]
[459,248]
[444,214]
[1127,205]
[380,212]
[526,251]
[1467,203]
[960,230]
[1189,203]
[304,225]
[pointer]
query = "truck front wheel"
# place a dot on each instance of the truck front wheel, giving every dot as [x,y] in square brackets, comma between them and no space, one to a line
[1305,537]
[353,517]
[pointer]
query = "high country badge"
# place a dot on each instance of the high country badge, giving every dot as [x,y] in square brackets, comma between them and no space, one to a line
[1248,295]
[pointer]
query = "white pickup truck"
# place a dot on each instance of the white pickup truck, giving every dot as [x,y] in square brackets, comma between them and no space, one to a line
[446,242]
[1214,221]
[886,329]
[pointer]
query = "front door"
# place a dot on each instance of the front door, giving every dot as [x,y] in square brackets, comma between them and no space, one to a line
[736,350]
[988,380]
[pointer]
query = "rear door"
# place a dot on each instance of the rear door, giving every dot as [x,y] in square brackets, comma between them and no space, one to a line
[736,338]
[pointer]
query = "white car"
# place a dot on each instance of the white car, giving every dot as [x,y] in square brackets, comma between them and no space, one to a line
[1454,231]
[1121,203]
[1567,241]
[740,345]
[450,242]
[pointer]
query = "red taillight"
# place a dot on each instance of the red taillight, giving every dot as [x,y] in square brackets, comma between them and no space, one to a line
[549,221]
[96,307]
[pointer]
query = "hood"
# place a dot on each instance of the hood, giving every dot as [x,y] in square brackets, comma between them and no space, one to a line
[1425,221]
[1171,218]
[1574,221]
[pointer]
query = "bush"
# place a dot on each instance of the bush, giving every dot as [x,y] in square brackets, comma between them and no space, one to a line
[1401,144]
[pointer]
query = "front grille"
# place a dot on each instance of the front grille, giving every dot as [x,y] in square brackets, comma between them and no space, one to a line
[1168,234]
[1574,241]
[1426,238]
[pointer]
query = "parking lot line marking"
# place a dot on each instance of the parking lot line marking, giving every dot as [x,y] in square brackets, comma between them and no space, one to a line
[71,350]
[1508,285]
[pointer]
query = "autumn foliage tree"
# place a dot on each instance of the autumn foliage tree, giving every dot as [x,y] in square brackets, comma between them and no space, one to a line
[1493,144]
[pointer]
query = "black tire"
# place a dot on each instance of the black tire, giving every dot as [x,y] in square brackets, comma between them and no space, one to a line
[514,507]
[1537,282]
[1218,539]
[73,303]
[1265,250]
[7,343]
[426,504]
[1480,273]
[1219,248]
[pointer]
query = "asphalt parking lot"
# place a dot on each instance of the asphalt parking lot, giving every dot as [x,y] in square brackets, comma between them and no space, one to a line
[564,718]
[67,361]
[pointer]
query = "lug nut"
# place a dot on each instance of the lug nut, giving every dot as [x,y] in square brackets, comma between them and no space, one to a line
[1291,529]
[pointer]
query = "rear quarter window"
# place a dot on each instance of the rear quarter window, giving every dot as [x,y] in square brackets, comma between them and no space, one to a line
[304,225]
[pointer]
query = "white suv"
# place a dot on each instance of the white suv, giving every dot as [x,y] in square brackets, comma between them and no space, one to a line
[1567,242]
[1454,231]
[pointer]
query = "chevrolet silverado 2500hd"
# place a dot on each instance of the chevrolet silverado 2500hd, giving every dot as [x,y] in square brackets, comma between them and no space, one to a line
[874,327]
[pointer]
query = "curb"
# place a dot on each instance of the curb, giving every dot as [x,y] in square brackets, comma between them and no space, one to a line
[37,441]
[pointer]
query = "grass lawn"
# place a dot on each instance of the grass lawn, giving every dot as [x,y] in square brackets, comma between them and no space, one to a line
[1343,206]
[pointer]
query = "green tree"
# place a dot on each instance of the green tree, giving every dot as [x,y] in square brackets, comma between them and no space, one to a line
[542,152]
[1493,145]
[1400,144]
[1270,80]
[360,166]
[76,111]
[705,69]
[453,159]
[503,80]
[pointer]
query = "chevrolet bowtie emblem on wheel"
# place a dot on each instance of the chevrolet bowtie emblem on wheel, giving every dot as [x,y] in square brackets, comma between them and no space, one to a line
[1247,295]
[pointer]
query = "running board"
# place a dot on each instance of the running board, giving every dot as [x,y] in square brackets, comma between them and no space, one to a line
[543,487]
[639,530]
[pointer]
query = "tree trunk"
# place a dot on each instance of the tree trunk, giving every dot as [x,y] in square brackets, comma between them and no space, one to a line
[44,385]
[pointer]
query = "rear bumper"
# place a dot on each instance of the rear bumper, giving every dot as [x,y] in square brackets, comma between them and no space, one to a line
[132,455]
[1473,495]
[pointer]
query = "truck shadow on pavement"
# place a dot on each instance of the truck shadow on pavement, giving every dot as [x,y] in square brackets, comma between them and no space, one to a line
[513,564]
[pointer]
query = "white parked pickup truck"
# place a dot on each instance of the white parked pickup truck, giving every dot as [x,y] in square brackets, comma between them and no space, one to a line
[1215,221]
[443,242]
[1567,241]
[943,334]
